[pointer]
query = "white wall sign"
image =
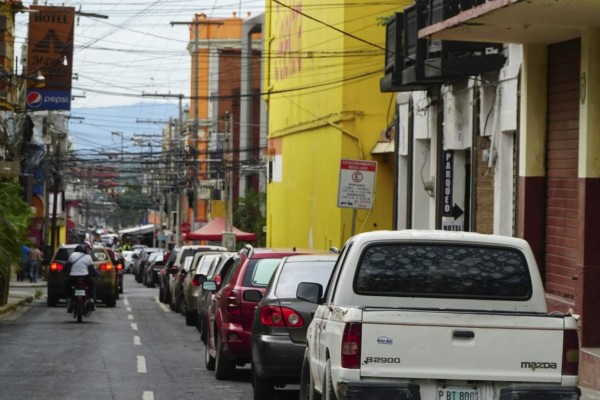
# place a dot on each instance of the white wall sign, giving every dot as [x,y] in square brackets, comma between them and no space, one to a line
[357,184]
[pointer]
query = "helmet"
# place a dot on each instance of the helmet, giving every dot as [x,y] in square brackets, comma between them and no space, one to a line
[80,249]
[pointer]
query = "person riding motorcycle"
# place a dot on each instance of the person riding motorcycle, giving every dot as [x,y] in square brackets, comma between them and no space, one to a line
[82,265]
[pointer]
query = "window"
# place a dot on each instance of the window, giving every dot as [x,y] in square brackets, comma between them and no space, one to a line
[295,272]
[439,270]
[260,271]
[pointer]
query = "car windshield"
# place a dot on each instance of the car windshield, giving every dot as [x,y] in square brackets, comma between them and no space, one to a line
[442,270]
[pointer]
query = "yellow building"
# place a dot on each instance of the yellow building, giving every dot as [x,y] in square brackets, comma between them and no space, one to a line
[322,76]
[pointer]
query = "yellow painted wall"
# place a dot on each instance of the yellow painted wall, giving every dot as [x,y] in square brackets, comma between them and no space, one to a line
[324,105]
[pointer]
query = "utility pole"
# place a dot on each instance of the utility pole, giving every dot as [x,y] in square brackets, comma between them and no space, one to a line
[228,158]
[179,158]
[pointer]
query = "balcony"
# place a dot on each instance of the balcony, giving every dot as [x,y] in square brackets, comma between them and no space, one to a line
[510,21]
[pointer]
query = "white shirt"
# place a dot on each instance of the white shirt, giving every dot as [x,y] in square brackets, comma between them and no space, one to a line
[80,263]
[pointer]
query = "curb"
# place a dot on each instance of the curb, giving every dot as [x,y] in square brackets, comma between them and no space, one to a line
[10,307]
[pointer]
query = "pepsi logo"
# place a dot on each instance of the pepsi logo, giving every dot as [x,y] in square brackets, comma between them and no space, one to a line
[34,99]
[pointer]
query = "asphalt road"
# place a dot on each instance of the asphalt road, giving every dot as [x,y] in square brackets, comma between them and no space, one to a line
[138,350]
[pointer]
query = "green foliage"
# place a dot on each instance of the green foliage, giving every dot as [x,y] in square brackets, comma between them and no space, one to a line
[248,215]
[131,205]
[14,219]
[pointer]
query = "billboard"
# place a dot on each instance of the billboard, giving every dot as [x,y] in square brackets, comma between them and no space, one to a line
[50,52]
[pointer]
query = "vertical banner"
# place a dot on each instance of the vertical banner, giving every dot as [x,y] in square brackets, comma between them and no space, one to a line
[50,52]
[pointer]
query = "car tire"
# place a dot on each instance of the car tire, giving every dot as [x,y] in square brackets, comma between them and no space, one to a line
[203,333]
[161,295]
[52,300]
[209,361]
[110,300]
[224,367]
[190,318]
[121,289]
[264,389]
[307,384]
[328,392]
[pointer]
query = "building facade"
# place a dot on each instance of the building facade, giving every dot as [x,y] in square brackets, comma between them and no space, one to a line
[324,106]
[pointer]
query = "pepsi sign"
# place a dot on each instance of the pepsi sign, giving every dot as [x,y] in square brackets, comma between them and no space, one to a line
[40,99]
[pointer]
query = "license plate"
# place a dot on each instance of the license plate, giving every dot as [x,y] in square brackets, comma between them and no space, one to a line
[457,393]
[79,292]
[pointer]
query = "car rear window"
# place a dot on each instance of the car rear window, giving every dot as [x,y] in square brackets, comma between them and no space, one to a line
[99,255]
[293,273]
[63,254]
[260,271]
[439,270]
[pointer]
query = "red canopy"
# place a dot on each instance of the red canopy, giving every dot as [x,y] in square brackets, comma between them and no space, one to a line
[214,231]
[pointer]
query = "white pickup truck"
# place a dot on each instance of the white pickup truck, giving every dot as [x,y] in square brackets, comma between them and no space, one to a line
[434,315]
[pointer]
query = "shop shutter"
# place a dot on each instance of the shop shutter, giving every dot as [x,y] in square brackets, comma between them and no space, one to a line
[562,157]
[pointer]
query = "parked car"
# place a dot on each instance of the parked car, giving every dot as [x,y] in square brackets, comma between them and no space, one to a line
[201,264]
[106,288]
[231,313]
[152,267]
[281,320]
[180,269]
[164,291]
[138,268]
[226,261]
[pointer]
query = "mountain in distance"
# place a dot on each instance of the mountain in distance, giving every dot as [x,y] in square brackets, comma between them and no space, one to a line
[129,128]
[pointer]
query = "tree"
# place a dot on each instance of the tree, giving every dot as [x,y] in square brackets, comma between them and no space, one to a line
[14,219]
[248,215]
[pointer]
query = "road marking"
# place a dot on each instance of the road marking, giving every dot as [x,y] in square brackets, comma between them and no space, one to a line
[163,306]
[141,364]
[125,301]
[137,341]
[130,317]
[128,309]
[134,327]
[148,396]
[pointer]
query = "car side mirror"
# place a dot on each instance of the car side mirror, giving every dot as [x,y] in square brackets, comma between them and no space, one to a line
[310,292]
[209,285]
[253,295]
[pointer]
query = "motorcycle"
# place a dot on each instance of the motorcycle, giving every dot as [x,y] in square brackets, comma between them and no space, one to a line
[81,304]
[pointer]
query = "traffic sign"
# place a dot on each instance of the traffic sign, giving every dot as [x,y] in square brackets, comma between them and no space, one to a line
[357,183]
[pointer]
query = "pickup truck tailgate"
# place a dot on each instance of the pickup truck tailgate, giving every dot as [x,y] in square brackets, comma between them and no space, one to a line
[456,345]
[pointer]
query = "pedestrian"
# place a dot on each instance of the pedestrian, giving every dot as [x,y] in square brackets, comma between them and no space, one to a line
[35,260]
[24,267]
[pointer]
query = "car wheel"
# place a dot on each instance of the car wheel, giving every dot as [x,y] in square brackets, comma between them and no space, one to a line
[203,333]
[52,300]
[110,300]
[224,368]
[121,289]
[181,305]
[328,392]
[209,361]
[307,385]
[190,318]
[161,295]
[264,389]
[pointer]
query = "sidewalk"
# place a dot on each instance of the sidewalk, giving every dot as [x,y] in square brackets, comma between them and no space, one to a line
[21,293]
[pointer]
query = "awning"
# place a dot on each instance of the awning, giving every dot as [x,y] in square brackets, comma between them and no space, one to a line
[138,230]
[214,231]
[383,147]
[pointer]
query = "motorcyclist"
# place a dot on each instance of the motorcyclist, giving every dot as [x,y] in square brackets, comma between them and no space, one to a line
[82,265]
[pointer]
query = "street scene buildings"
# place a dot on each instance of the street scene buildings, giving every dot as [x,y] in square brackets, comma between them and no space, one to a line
[459,115]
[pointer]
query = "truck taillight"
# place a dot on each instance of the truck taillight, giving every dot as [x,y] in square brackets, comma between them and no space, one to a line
[570,365]
[56,267]
[233,303]
[351,345]
[280,316]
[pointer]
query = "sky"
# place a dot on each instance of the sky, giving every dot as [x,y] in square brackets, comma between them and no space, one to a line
[135,50]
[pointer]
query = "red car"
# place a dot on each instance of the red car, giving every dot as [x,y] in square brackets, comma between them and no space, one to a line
[231,312]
